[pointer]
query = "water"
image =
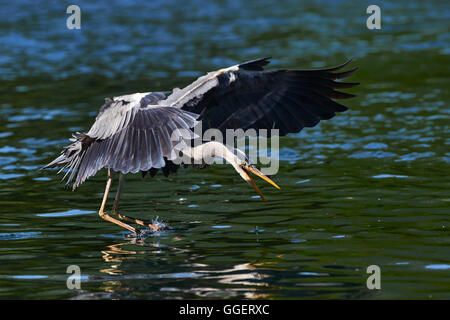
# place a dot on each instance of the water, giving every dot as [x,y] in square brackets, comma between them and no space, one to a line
[369,187]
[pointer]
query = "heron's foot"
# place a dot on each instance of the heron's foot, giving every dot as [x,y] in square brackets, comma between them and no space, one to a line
[155,226]
[152,228]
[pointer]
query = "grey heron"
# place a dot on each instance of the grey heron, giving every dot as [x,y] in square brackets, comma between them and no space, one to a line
[132,133]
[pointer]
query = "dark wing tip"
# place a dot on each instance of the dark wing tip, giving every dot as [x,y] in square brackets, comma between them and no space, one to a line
[255,65]
[345,74]
[339,66]
[341,95]
[343,85]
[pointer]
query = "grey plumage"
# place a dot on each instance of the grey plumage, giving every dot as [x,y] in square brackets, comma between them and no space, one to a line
[129,135]
[132,133]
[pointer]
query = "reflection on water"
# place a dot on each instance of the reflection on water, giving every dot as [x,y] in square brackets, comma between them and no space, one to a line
[242,275]
[368,187]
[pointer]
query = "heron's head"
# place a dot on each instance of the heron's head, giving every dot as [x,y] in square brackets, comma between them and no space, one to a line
[243,166]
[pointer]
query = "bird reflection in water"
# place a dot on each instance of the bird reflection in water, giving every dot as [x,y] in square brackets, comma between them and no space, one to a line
[244,279]
[117,253]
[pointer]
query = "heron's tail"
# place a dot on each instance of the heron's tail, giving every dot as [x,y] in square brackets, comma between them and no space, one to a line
[71,156]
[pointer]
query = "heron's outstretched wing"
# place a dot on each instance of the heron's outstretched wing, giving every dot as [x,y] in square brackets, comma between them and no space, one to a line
[119,112]
[245,96]
[131,134]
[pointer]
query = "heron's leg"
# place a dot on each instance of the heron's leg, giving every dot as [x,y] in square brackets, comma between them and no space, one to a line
[127,218]
[119,191]
[102,212]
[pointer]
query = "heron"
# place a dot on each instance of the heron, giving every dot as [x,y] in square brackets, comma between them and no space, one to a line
[132,133]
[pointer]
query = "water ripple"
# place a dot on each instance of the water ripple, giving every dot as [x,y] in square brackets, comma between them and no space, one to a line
[73,212]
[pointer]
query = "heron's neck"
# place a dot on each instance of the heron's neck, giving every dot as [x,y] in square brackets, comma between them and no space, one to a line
[210,149]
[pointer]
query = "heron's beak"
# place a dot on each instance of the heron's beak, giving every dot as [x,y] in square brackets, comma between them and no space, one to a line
[255,171]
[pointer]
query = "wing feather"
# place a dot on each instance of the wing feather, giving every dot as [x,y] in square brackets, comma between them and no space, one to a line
[129,135]
[245,96]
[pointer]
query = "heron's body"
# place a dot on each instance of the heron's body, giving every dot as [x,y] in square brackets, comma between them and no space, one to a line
[133,133]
